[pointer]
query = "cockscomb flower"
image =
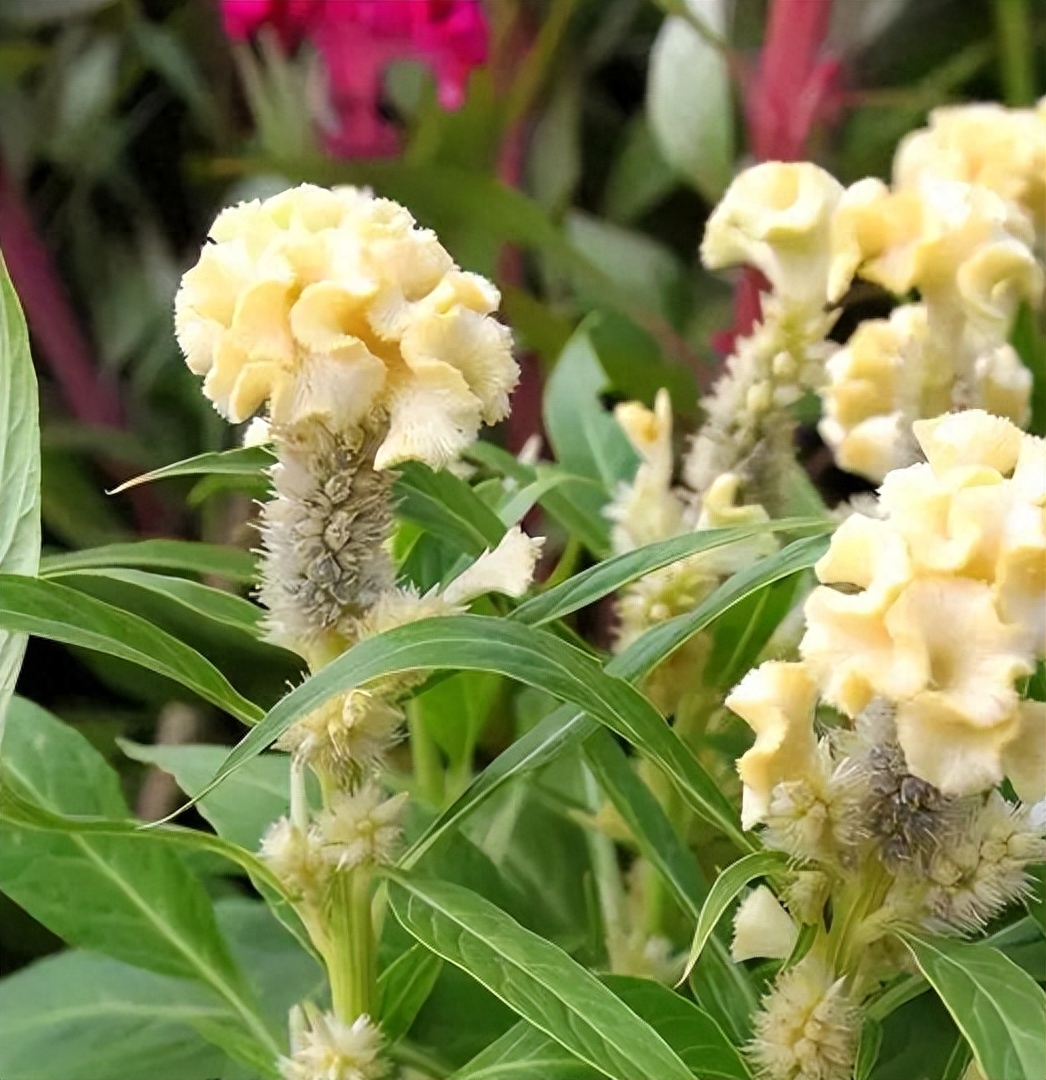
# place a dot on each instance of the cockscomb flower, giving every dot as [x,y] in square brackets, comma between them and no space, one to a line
[777,701]
[333,305]
[326,1048]
[941,624]
[808,1026]
[962,246]
[987,144]
[357,41]
[762,928]
[777,217]
[295,856]
[361,827]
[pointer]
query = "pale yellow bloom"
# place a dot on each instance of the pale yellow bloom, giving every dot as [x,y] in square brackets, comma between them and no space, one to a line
[776,217]
[777,701]
[961,246]
[326,1048]
[508,569]
[361,827]
[807,1028]
[762,928]
[1003,385]
[987,144]
[335,305]
[295,856]
[1024,759]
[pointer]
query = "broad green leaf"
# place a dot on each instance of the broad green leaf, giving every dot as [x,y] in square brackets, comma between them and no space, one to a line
[688,101]
[998,1007]
[213,604]
[80,1014]
[185,555]
[639,177]
[454,711]
[566,726]
[240,809]
[403,987]
[448,508]
[54,611]
[608,576]
[482,643]
[131,898]
[725,890]
[243,461]
[533,977]
[19,470]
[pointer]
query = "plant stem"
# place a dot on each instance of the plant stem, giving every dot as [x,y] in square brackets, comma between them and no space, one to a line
[351,957]
[428,767]
[1016,37]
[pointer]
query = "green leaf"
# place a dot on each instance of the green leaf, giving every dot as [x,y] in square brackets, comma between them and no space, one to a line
[19,470]
[535,978]
[997,1006]
[79,1014]
[240,809]
[689,102]
[868,1046]
[639,177]
[524,1052]
[566,726]
[448,508]
[586,438]
[131,898]
[185,555]
[243,461]
[725,890]
[482,643]
[218,606]
[54,611]
[608,576]
[403,988]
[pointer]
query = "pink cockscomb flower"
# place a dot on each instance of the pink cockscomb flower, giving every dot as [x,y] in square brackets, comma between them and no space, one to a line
[358,39]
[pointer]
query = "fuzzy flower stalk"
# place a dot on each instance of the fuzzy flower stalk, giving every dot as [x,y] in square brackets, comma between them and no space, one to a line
[880,755]
[357,344]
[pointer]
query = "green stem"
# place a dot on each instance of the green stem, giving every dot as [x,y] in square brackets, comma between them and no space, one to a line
[429,775]
[351,956]
[609,887]
[1016,37]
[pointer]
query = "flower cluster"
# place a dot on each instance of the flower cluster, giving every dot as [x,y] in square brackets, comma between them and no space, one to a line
[960,226]
[335,306]
[357,40]
[325,1048]
[928,621]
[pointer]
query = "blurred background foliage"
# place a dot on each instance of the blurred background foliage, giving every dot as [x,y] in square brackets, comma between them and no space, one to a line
[578,171]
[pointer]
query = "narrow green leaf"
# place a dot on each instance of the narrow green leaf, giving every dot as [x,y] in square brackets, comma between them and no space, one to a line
[219,606]
[80,1014]
[566,726]
[535,978]
[481,643]
[724,892]
[448,508]
[868,1049]
[998,1007]
[54,611]
[525,1053]
[240,809]
[243,461]
[403,988]
[185,555]
[19,470]
[608,576]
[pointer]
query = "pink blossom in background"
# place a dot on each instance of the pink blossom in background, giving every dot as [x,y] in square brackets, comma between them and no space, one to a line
[357,40]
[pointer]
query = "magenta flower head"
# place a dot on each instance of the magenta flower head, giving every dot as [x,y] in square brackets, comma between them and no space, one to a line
[357,40]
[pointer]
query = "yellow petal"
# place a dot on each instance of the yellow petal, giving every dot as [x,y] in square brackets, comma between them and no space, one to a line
[1024,759]
[972,437]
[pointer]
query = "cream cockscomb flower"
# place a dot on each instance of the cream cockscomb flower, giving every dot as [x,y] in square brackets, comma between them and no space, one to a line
[962,246]
[777,701]
[777,217]
[987,144]
[326,1048]
[334,304]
